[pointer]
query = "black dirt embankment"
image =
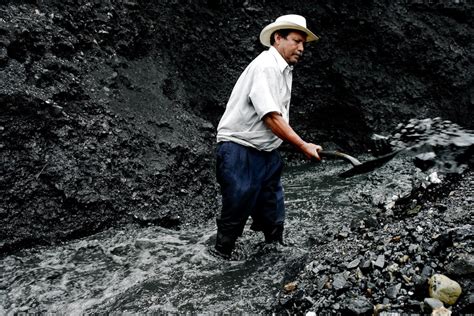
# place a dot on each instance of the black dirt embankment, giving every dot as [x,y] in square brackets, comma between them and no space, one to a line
[89,138]
[108,108]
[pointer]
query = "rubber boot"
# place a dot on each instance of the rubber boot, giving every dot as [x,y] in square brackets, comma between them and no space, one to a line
[275,234]
[224,246]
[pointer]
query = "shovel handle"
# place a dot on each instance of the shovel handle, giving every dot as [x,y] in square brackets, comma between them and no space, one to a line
[339,155]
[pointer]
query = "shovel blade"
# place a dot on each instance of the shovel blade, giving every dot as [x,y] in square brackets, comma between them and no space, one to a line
[369,165]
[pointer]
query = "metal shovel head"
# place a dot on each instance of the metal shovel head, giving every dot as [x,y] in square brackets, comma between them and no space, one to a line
[369,165]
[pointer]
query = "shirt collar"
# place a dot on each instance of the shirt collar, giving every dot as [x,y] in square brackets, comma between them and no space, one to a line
[282,64]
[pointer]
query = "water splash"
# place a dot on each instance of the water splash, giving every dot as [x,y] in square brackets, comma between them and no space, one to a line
[158,270]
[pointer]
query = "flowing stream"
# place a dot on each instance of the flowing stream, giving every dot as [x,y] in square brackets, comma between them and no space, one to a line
[153,269]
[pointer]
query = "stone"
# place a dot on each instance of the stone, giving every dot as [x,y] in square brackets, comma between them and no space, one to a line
[365,265]
[442,311]
[433,178]
[358,274]
[393,268]
[322,282]
[343,235]
[462,264]
[358,306]
[413,248]
[404,259]
[353,264]
[432,303]
[393,291]
[443,288]
[380,262]
[380,308]
[290,287]
[339,281]
[427,272]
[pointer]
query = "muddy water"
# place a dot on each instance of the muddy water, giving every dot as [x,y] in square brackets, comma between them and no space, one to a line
[154,269]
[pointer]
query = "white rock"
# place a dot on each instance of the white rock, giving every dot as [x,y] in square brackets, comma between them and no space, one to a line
[433,178]
[444,289]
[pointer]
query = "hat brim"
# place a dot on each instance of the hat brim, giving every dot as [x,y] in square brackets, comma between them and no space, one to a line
[275,26]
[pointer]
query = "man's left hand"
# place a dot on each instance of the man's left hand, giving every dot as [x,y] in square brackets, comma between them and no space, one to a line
[311,150]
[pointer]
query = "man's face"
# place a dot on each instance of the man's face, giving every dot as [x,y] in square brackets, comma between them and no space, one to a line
[291,48]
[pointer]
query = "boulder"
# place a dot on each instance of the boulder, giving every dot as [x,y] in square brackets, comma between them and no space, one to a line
[443,288]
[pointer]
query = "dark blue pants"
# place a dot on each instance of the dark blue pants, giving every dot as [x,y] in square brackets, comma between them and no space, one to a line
[250,186]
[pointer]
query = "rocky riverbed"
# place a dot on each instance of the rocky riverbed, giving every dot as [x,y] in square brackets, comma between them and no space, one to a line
[108,115]
[383,263]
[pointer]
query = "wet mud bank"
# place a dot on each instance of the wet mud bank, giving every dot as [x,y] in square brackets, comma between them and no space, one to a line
[108,112]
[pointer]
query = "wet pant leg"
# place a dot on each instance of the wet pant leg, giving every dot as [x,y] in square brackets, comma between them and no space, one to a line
[269,212]
[243,173]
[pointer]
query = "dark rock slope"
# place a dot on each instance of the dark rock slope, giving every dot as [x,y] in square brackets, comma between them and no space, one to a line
[382,263]
[108,108]
[92,134]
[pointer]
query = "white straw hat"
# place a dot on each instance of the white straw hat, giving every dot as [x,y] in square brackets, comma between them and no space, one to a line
[289,21]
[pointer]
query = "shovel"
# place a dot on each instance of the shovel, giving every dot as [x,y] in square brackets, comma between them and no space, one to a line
[357,166]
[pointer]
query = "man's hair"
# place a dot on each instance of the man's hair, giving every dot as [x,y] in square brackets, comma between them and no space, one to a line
[284,33]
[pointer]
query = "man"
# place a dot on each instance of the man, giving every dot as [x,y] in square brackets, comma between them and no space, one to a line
[254,125]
